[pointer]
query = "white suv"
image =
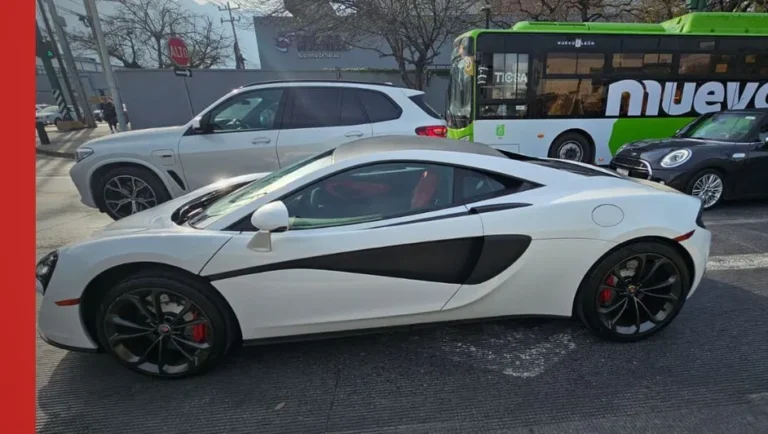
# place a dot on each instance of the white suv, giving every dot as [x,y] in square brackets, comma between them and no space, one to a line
[257,128]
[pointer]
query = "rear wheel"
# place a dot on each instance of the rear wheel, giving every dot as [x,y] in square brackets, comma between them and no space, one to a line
[572,146]
[634,292]
[164,324]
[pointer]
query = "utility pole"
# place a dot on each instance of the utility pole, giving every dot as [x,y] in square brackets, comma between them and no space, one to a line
[239,61]
[65,111]
[90,8]
[45,53]
[58,25]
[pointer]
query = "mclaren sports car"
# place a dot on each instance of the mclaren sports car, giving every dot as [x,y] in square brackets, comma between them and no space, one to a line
[377,233]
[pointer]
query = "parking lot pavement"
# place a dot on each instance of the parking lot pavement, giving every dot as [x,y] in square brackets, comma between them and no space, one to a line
[706,373]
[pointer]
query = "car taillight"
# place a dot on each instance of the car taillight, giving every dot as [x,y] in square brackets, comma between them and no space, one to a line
[432,131]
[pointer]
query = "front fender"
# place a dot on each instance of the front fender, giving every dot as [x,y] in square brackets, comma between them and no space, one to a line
[80,263]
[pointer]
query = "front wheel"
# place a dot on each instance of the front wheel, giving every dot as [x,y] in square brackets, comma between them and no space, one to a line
[709,186]
[164,325]
[634,292]
[572,147]
[127,190]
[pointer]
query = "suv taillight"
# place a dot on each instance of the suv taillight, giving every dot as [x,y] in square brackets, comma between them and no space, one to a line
[432,131]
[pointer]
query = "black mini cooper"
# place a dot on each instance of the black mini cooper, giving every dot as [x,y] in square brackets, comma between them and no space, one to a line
[718,156]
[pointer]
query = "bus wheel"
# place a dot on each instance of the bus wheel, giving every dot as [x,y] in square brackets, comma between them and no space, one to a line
[573,147]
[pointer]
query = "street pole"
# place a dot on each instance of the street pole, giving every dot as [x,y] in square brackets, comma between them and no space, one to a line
[90,7]
[71,67]
[239,63]
[51,73]
[67,112]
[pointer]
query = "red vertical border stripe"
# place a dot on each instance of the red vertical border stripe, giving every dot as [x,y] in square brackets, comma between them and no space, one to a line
[17,218]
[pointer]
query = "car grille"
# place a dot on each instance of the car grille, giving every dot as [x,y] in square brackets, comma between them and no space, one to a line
[637,168]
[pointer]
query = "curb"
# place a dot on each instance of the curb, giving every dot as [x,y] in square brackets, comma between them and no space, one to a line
[57,154]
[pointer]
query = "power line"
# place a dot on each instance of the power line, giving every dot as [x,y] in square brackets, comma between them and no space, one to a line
[239,61]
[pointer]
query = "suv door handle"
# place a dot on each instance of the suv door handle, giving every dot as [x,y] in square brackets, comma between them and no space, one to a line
[261,140]
[354,134]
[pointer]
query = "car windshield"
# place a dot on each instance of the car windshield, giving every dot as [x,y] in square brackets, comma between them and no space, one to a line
[260,187]
[50,109]
[722,126]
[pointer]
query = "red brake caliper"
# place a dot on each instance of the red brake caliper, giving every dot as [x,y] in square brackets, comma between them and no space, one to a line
[198,330]
[607,293]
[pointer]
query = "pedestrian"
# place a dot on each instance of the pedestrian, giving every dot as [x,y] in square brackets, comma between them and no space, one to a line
[109,113]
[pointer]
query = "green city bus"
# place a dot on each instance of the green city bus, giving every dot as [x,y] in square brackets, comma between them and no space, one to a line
[579,91]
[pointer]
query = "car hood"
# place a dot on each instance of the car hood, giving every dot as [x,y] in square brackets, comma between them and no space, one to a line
[656,149]
[158,219]
[154,135]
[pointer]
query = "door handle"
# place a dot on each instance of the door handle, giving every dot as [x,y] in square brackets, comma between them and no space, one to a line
[261,140]
[354,134]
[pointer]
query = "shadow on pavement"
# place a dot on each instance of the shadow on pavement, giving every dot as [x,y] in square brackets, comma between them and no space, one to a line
[500,375]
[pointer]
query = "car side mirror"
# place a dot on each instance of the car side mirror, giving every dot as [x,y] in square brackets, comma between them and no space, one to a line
[272,217]
[198,125]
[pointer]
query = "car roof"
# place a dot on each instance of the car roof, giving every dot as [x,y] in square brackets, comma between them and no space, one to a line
[374,145]
[320,81]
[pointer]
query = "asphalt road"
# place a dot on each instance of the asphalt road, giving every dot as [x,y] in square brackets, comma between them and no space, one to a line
[706,373]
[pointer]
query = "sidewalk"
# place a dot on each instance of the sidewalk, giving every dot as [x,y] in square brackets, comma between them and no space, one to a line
[64,144]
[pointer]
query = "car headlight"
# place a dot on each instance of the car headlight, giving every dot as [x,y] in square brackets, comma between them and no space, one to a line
[81,153]
[45,266]
[676,158]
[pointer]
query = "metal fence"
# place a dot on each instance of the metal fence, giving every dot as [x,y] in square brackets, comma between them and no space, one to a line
[157,97]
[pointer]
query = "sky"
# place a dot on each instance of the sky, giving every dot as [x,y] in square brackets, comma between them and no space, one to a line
[246,38]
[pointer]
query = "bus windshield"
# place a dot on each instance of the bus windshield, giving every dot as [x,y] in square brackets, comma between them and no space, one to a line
[459,110]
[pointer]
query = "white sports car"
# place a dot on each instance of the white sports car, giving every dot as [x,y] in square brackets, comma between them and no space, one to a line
[380,232]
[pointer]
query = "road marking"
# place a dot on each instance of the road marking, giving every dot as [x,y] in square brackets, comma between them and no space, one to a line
[738,262]
[734,222]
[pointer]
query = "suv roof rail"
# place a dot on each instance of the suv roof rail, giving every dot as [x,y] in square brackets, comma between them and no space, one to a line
[319,81]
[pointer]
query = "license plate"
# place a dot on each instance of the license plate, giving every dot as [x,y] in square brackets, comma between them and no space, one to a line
[624,172]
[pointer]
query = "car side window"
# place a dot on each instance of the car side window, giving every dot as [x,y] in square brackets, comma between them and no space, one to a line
[476,186]
[371,193]
[254,110]
[764,131]
[378,106]
[351,111]
[314,107]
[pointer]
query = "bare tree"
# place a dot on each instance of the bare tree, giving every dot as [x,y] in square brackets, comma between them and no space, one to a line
[569,10]
[137,32]
[411,32]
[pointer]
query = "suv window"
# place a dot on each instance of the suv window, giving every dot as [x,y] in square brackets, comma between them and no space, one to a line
[378,106]
[314,107]
[371,193]
[351,111]
[419,101]
[254,110]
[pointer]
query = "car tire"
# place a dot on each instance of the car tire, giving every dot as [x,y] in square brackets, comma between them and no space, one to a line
[572,146]
[149,192]
[709,185]
[600,302]
[56,122]
[171,345]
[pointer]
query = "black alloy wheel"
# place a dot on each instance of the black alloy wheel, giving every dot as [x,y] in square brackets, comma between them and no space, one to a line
[163,327]
[634,292]
[127,190]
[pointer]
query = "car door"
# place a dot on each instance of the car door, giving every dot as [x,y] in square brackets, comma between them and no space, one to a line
[239,137]
[370,242]
[317,119]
